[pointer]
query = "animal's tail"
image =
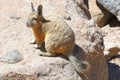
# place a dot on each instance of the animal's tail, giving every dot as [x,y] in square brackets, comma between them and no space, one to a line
[80,66]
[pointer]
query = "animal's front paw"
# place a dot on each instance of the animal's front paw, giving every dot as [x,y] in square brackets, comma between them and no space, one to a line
[41,54]
[33,41]
[46,54]
[36,46]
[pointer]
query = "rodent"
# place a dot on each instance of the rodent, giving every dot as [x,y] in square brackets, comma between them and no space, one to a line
[58,37]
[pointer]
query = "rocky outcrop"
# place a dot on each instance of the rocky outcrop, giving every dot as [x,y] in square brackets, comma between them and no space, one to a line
[78,9]
[111,6]
[111,41]
[89,41]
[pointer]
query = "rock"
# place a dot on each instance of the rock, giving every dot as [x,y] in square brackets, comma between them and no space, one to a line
[89,37]
[13,76]
[118,16]
[41,68]
[17,76]
[111,6]
[114,70]
[74,10]
[110,10]
[14,16]
[12,57]
[111,41]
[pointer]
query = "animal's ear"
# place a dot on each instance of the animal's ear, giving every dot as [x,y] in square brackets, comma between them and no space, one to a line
[39,10]
[32,7]
[43,20]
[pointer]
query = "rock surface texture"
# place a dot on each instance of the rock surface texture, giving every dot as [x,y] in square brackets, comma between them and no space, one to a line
[111,11]
[93,43]
[11,57]
[112,5]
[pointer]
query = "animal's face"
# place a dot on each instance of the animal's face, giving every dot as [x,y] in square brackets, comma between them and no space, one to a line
[32,19]
[36,18]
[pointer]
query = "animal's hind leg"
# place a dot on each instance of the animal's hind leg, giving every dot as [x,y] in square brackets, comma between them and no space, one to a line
[45,51]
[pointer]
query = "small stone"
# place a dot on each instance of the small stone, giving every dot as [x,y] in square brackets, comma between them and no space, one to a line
[13,56]
[67,17]
[14,16]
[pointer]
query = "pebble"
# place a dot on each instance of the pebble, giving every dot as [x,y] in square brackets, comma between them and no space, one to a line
[12,57]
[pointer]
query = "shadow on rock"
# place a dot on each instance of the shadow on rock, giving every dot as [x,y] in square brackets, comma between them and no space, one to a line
[78,52]
[117,56]
[114,22]
[114,71]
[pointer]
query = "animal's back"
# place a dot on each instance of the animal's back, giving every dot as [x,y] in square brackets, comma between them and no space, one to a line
[59,35]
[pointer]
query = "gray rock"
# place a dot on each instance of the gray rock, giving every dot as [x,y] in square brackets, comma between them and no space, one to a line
[74,10]
[13,56]
[112,6]
[89,37]
[15,17]
[111,41]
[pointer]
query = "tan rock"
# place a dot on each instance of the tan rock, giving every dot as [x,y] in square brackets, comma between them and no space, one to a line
[90,40]
[111,41]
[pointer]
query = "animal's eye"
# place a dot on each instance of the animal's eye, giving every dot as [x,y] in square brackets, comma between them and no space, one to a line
[34,18]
